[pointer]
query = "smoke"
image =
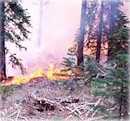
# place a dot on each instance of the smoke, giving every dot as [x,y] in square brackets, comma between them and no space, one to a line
[60,21]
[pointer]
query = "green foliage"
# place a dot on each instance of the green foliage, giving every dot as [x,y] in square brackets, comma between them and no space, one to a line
[5,89]
[17,62]
[71,66]
[69,61]
[17,22]
[110,82]
[92,66]
[119,36]
[115,83]
[92,69]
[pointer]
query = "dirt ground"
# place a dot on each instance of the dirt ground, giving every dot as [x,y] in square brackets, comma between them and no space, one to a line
[44,99]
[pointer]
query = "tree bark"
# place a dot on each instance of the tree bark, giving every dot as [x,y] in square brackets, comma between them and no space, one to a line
[80,57]
[2,43]
[99,39]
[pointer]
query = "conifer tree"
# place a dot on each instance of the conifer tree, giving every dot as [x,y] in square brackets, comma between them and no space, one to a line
[14,22]
[115,83]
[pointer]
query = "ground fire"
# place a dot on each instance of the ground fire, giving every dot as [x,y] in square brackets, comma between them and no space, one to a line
[52,73]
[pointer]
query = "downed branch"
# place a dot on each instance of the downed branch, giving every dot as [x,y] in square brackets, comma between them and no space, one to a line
[75,112]
[92,109]
[17,113]
[42,104]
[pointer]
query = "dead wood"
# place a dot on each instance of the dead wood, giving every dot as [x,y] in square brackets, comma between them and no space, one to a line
[44,104]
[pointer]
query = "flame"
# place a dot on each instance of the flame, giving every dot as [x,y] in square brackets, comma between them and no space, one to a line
[38,72]
[22,79]
[52,73]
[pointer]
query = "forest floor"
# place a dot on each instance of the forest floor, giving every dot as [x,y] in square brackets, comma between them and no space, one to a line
[44,99]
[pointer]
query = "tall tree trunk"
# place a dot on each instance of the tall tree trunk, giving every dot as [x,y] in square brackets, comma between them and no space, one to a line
[112,20]
[99,39]
[2,43]
[80,40]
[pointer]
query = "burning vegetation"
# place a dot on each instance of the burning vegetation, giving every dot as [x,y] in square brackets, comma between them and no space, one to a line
[85,86]
[52,73]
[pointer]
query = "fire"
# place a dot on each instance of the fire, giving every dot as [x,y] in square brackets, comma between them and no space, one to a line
[38,72]
[52,73]
[22,79]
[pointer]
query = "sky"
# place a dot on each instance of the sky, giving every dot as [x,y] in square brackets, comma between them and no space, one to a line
[55,26]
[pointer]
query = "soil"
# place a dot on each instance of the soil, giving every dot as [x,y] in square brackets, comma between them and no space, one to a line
[44,99]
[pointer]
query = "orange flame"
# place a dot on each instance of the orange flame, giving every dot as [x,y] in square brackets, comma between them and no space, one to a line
[52,73]
[21,79]
[38,72]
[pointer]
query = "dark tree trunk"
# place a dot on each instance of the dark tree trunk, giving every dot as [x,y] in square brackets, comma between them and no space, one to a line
[80,57]
[80,40]
[123,103]
[99,39]
[2,43]
[112,21]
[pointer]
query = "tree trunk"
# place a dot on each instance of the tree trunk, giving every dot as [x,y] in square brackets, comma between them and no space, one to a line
[2,43]
[99,39]
[123,103]
[112,20]
[80,57]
